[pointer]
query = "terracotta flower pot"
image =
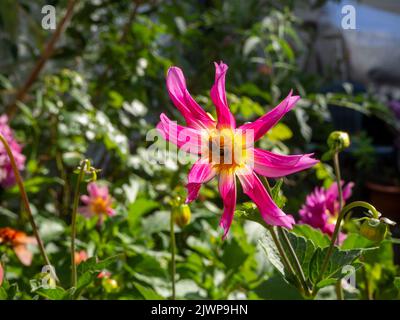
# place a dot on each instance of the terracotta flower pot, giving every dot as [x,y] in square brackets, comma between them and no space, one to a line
[386,198]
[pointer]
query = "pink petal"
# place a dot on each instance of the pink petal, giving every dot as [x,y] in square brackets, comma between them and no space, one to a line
[201,172]
[86,212]
[218,96]
[93,189]
[190,140]
[194,115]
[227,189]
[274,165]
[347,190]
[85,199]
[267,121]
[269,211]
[110,212]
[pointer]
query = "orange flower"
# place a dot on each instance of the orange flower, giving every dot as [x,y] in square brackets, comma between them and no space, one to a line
[80,256]
[19,241]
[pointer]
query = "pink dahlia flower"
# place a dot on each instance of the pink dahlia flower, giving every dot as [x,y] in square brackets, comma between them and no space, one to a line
[213,139]
[98,202]
[7,177]
[322,208]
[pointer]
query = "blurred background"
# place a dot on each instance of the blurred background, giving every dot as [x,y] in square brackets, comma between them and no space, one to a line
[96,86]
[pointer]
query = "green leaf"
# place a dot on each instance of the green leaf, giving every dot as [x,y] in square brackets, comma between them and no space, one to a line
[339,259]
[275,288]
[84,281]
[57,293]
[233,256]
[93,265]
[304,250]
[277,194]
[280,132]
[272,253]
[138,209]
[318,238]
[396,282]
[3,294]
[147,293]
[356,241]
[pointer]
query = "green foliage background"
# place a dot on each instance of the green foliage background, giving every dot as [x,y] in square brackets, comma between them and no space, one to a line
[99,95]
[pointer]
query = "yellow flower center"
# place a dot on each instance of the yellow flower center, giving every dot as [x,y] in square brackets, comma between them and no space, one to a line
[226,149]
[98,205]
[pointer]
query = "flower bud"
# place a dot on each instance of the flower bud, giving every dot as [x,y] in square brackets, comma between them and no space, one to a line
[181,215]
[374,230]
[338,141]
[110,285]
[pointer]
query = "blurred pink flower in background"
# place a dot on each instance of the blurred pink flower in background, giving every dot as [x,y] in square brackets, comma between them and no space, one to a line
[218,140]
[98,202]
[322,208]
[80,256]
[7,178]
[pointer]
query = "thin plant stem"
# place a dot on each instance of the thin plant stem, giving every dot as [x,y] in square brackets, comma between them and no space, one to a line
[47,52]
[74,277]
[299,274]
[25,200]
[282,253]
[296,261]
[342,212]
[173,265]
[339,289]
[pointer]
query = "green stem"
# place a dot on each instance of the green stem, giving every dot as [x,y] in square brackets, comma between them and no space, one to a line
[173,265]
[342,212]
[295,260]
[282,253]
[299,274]
[339,290]
[74,277]
[25,200]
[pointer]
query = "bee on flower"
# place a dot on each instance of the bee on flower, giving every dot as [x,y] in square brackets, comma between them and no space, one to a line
[98,202]
[19,242]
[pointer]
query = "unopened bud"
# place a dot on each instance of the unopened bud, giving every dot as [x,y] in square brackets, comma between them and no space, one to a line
[338,141]
[374,230]
[181,215]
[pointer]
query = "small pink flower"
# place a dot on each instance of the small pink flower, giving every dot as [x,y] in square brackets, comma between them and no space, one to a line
[80,256]
[98,202]
[7,178]
[104,274]
[212,140]
[322,208]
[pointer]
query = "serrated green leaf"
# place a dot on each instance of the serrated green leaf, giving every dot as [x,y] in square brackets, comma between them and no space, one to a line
[318,238]
[57,293]
[272,253]
[93,265]
[304,250]
[339,259]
